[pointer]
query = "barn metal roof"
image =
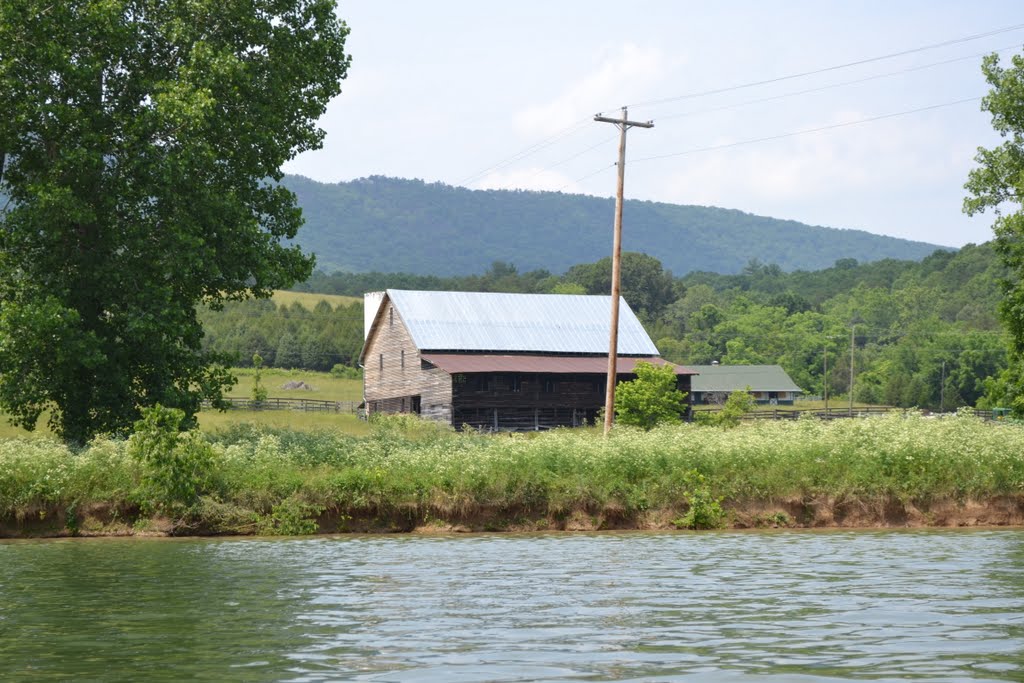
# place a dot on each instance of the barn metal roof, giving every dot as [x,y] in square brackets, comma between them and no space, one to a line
[477,362]
[739,377]
[545,323]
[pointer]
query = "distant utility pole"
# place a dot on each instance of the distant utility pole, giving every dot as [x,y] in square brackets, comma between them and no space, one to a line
[825,383]
[942,389]
[624,124]
[852,327]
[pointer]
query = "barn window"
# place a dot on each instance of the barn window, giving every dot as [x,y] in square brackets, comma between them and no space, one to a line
[549,385]
[515,383]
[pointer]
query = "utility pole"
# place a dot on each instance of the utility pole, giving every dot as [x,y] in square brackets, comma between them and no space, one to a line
[852,327]
[624,124]
[942,389]
[825,351]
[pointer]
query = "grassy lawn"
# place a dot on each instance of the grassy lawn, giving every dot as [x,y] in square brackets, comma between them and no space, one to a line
[9,431]
[309,299]
[326,387]
[212,421]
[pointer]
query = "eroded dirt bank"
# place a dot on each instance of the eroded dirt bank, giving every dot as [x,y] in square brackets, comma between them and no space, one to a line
[101,520]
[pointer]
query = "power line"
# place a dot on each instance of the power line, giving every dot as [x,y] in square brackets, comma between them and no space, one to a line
[574,128]
[526,152]
[807,131]
[832,86]
[588,176]
[859,62]
[573,156]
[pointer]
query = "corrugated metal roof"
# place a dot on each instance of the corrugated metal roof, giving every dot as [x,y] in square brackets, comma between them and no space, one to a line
[476,362]
[739,377]
[547,323]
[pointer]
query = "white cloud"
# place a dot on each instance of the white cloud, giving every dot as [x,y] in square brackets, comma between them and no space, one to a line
[859,160]
[620,77]
[528,179]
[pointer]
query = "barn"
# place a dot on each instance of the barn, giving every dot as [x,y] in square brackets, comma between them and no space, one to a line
[497,361]
[766,383]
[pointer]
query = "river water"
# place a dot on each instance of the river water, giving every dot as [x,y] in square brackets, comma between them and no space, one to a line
[765,607]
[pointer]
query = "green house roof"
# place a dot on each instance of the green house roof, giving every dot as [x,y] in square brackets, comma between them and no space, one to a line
[738,377]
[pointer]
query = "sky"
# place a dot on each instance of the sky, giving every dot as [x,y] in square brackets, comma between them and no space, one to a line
[491,95]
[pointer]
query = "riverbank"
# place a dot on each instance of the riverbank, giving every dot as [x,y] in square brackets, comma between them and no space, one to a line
[102,521]
[407,476]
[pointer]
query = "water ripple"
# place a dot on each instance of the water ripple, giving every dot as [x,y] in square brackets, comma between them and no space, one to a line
[930,606]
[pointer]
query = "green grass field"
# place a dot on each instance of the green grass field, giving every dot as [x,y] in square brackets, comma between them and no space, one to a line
[309,299]
[325,388]
[213,421]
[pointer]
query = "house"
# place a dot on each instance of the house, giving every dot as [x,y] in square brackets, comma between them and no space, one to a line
[768,383]
[497,361]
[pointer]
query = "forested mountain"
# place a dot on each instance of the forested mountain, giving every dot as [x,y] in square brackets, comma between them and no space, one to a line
[392,225]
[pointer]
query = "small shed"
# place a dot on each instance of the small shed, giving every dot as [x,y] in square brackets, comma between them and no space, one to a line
[768,384]
[498,361]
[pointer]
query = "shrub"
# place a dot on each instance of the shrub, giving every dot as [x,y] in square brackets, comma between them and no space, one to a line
[705,510]
[650,399]
[739,403]
[345,372]
[178,467]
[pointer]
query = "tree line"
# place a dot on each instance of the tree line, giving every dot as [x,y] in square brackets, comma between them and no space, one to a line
[918,333]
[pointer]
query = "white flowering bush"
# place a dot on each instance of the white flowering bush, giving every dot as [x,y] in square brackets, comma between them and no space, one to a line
[414,469]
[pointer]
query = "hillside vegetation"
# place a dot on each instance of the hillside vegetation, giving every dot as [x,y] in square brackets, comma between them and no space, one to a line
[394,225]
[925,333]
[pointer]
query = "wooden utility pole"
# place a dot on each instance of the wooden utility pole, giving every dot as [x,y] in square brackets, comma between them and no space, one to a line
[825,383]
[624,124]
[852,327]
[942,389]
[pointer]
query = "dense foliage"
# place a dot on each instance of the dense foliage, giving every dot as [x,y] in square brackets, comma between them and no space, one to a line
[651,399]
[925,333]
[136,144]
[285,336]
[388,224]
[996,183]
[248,480]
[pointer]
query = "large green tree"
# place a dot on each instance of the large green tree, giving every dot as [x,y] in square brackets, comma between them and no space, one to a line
[997,184]
[646,285]
[140,145]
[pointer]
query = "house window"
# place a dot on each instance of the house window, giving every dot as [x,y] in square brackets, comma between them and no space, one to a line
[403,359]
[381,360]
[391,317]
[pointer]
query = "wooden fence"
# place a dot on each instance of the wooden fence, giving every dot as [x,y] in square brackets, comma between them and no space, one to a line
[306,405]
[541,419]
[840,413]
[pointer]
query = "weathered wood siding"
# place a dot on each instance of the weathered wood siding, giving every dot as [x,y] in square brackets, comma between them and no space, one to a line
[393,374]
[533,400]
[534,390]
